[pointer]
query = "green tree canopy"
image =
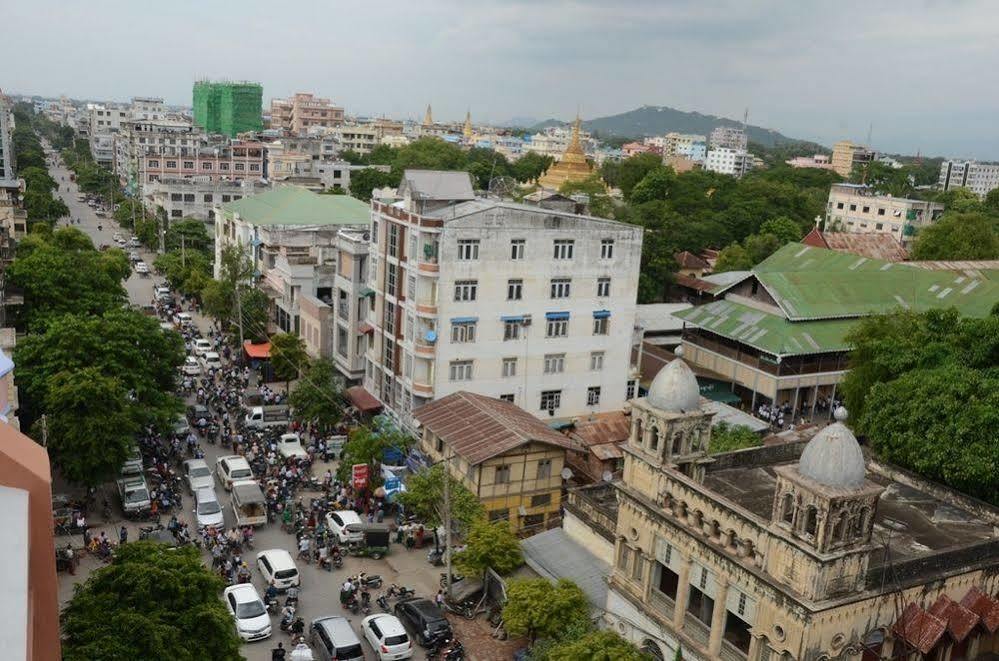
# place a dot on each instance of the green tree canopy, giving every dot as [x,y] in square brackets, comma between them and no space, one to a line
[602,645]
[318,397]
[489,545]
[726,438]
[150,603]
[363,182]
[959,236]
[632,170]
[367,445]
[424,497]
[536,608]
[530,166]
[288,356]
[600,203]
[733,258]
[782,227]
[190,234]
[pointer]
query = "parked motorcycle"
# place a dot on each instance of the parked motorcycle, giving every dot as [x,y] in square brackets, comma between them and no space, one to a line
[400,591]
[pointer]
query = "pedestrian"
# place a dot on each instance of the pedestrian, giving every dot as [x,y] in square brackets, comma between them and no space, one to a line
[439,599]
[123,535]
[278,653]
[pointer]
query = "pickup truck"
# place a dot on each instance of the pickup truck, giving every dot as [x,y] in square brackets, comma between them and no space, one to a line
[134,495]
[261,417]
[248,503]
[290,445]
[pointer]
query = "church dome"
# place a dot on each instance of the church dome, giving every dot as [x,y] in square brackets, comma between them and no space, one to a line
[833,457]
[675,388]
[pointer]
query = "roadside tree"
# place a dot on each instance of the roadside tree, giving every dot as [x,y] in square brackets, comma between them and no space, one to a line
[489,545]
[538,609]
[424,497]
[318,396]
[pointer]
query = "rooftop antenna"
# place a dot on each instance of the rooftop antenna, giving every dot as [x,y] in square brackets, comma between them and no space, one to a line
[870,129]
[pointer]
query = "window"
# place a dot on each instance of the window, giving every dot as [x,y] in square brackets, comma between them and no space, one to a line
[208,197]
[787,508]
[393,240]
[606,248]
[465,290]
[853,207]
[541,500]
[879,226]
[223,166]
[544,469]
[637,568]
[629,391]
[593,396]
[172,164]
[176,197]
[839,205]
[507,397]
[624,558]
[463,332]
[881,211]
[411,287]
[154,164]
[240,167]
[669,581]
[254,167]
[390,280]
[188,165]
[517,249]
[596,361]
[461,370]
[563,248]
[468,249]
[514,290]
[811,520]
[502,475]
[867,209]
[551,399]
[176,213]
[206,165]
[561,287]
[389,317]
[511,330]
[603,287]
[413,240]
[226,198]
[189,197]
[601,325]
[499,515]
[439,444]
[509,367]
[557,328]
[554,363]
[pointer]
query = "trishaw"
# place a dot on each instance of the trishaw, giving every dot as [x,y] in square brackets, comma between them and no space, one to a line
[374,541]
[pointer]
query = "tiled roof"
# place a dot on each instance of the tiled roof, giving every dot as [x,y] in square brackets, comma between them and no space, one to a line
[291,205]
[693,283]
[919,628]
[960,620]
[478,428]
[984,606]
[688,260]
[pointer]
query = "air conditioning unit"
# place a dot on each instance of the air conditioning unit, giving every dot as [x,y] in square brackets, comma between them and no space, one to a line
[526,321]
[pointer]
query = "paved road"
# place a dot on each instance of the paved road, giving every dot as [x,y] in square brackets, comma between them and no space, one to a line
[320,594]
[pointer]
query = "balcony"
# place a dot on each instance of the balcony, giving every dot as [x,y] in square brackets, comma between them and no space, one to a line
[696,630]
[428,268]
[427,308]
[423,389]
[729,652]
[423,348]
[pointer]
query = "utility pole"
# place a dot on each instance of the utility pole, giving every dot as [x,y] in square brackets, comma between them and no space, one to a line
[183,253]
[45,430]
[447,523]
[239,316]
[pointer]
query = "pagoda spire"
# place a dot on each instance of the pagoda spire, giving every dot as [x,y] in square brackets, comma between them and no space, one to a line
[428,118]
[467,130]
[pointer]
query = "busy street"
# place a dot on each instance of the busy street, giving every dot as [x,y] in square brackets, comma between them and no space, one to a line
[300,487]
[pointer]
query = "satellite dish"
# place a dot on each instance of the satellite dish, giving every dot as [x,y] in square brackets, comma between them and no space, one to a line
[607,476]
[503,186]
[566,473]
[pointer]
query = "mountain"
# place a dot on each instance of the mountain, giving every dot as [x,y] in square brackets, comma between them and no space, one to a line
[658,120]
[520,121]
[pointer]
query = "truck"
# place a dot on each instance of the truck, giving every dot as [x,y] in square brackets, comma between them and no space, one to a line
[134,495]
[261,417]
[249,506]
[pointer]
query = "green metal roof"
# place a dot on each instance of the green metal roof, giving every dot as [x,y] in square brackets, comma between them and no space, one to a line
[291,205]
[811,283]
[769,332]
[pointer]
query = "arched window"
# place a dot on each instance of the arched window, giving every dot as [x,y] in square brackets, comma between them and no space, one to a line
[839,528]
[677,443]
[651,648]
[811,520]
[654,439]
[860,522]
[638,432]
[787,508]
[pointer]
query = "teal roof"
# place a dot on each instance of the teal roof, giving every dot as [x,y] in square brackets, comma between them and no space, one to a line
[291,205]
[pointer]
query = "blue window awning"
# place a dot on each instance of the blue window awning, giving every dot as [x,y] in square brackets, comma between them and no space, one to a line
[556,316]
[516,317]
[601,314]
[464,320]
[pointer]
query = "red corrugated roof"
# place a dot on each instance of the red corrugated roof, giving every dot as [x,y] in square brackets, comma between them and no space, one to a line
[688,260]
[693,283]
[984,606]
[363,399]
[873,246]
[479,427]
[960,620]
[610,427]
[262,350]
[918,628]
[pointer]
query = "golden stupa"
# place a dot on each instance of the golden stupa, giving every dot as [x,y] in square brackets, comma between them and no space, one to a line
[572,167]
[428,119]
[467,129]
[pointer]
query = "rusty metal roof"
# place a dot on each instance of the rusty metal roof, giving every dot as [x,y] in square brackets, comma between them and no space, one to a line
[984,606]
[609,427]
[960,620]
[918,628]
[874,246]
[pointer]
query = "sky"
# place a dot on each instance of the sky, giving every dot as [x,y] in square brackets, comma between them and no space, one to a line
[918,74]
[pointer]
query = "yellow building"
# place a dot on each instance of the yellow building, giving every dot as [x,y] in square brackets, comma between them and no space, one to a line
[572,167]
[504,455]
[846,155]
[796,551]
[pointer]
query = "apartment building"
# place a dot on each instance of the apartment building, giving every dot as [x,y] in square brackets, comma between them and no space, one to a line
[363,138]
[196,197]
[303,112]
[848,155]
[554,141]
[728,137]
[104,123]
[681,144]
[856,208]
[728,161]
[147,107]
[8,168]
[233,161]
[530,305]
[979,178]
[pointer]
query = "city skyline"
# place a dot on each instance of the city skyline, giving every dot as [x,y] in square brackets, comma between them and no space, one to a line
[811,73]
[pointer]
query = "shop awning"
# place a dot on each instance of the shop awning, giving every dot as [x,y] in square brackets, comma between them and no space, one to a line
[259,351]
[363,400]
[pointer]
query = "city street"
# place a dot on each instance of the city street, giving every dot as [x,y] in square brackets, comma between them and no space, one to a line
[320,589]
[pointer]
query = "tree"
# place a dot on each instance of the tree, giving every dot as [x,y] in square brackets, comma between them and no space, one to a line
[189,234]
[318,396]
[726,438]
[634,169]
[599,201]
[733,258]
[151,603]
[489,545]
[536,608]
[782,227]
[424,497]
[90,431]
[288,357]
[429,153]
[219,296]
[363,182]
[991,202]
[761,246]
[655,185]
[531,166]
[367,445]
[188,273]
[958,236]
[602,645]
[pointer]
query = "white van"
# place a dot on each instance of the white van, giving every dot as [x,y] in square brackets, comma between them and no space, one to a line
[276,565]
[207,510]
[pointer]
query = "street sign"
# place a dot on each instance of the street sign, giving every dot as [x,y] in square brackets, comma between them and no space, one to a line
[359,476]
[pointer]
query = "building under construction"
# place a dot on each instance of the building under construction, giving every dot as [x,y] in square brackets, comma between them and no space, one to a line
[228,108]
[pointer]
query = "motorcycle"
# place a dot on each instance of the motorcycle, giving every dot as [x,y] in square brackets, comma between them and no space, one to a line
[446,650]
[366,602]
[382,601]
[352,604]
[294,627]
[400,591]
[369,581]
[273,606]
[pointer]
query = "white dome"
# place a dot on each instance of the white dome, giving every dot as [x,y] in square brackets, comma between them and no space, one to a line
[675,388]
[833,457]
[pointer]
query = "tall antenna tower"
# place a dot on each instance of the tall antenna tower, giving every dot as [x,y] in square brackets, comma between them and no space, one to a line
[745,118]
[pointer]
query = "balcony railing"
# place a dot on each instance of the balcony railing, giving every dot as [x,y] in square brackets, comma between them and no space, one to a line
[696,630]
[729,652]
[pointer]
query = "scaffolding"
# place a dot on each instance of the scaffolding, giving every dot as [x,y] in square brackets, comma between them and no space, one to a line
[228,108]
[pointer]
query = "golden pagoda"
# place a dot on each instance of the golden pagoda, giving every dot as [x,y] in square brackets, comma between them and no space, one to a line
[572,167]
[467,131]
[428,119]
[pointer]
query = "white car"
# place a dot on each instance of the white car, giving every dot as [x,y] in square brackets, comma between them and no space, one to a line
[134,242]
[277,565]
[163,294]
[202,346]
[183,319]
[338,522]
[387,637]
[211,360]
[247,608]
[198,475]
[290,445]
[208,510]
[191,366]
[141,267]
[232,467]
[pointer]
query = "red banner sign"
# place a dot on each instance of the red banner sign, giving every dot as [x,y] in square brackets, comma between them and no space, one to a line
[359,475]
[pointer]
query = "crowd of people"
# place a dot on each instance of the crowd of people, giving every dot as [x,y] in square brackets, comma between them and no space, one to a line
[782,417]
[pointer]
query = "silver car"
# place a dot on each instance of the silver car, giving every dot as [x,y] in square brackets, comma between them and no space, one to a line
[198,475]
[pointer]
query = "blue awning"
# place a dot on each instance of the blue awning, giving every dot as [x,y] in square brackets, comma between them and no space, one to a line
[516,317]
[557,316]
[601,314]
[464,320]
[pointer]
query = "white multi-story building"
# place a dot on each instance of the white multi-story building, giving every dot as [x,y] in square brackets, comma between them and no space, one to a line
[104,124]
[147,107]
[531,305]
[196,197]
[728,161]
[554,140]
[858,209]
[979,178]
[681,144]
[729,137]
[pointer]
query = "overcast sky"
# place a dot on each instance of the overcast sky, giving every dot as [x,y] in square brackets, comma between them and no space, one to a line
[922,73]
